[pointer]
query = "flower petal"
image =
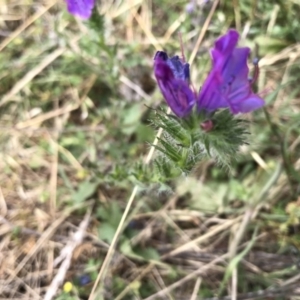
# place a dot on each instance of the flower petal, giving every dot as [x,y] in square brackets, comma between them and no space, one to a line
[211,95]
[81,8]
[249,104]
[178,96]
[179,69]
[227,85]
[162,70]
[227,42]
[236,68]
[176,91]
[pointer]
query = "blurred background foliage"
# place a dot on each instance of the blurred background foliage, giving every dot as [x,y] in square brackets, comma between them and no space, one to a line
[76,102]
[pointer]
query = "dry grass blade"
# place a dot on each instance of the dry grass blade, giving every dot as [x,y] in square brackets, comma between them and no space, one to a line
[75,133]
[66,257]
[193,274]
[29,21]
[213,232]
[42,240]
[3,205]
[31,74]
[196,288]
[111,250]
[187,278]
[203,31]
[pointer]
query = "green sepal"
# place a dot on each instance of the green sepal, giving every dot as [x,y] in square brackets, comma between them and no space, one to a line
[184,143]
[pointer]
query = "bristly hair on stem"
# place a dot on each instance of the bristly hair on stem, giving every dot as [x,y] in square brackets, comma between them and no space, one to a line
[187,141]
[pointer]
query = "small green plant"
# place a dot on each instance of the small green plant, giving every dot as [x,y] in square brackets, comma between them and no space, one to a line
[185,142]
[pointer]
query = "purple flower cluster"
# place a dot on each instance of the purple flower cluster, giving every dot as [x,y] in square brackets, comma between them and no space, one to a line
[227,85]
[81,8]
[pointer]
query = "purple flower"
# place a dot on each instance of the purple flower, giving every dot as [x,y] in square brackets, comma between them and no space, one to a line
[228,85]
[81,8]
[173,77]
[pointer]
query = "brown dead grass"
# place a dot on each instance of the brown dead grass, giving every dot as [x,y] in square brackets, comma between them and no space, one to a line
[34,229]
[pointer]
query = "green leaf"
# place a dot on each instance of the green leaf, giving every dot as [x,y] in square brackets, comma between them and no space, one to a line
[148,253]
[111,214]
[212,194]
[236,260]
[85,190]
[126,249]
[131,118]
[269,45]
[106,232]
[144,254]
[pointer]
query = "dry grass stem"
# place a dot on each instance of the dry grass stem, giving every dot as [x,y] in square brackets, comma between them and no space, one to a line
[78,99]
[203,31]
[201,239]
[196,288]
[65,257]
[31,74]
[28,22]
